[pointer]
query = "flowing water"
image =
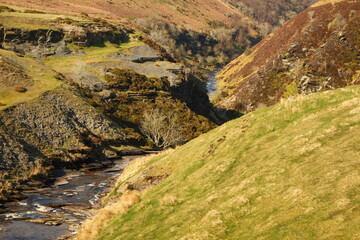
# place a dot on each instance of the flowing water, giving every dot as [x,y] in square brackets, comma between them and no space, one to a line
[55,212]
[211,85]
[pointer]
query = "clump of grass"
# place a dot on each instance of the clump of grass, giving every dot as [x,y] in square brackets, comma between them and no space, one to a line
[168,200]
[20,89]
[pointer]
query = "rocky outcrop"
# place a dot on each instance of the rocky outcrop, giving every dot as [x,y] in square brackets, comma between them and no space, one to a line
[86,35]
[55,126]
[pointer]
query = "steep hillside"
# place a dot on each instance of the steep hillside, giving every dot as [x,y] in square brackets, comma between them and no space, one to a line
[75,89]
[315,51]
[290,171]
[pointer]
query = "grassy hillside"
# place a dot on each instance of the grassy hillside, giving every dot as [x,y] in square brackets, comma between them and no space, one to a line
[290,171]
[194,14]
[31,19]
[274,12]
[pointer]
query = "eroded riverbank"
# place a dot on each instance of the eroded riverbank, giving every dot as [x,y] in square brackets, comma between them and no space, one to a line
[56,212]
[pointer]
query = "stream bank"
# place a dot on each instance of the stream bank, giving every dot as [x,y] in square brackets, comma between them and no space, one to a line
[55,212]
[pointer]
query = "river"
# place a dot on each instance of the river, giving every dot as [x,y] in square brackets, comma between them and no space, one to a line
[211,85]
[56,212]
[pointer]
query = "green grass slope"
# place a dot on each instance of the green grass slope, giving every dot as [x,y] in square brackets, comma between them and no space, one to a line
[290,171]
[23,72]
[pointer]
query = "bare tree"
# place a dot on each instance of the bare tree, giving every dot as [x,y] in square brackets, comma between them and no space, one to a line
[162,128]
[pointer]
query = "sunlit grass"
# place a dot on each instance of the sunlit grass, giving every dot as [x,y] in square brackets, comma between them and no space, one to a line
[290,171]
[44,80]
[32,21]
[92,54]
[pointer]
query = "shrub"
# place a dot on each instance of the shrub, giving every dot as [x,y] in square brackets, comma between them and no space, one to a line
[162,128]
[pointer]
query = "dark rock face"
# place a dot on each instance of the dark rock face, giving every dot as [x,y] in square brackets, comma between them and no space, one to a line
[36,43]
[10,150]
[86,35]
[46,42]
[20,36]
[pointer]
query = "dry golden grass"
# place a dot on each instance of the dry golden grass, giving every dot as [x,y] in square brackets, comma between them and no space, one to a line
[39,171]
[323,2]
[168,200]
[136,167]
[91,228]
[31,19]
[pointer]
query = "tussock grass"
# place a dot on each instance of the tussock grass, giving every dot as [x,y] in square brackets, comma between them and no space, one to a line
[168,200]
[20,89]
[290,171]
[134,171]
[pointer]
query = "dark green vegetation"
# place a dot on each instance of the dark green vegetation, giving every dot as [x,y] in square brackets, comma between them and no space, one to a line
[136,93]
[284,172]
